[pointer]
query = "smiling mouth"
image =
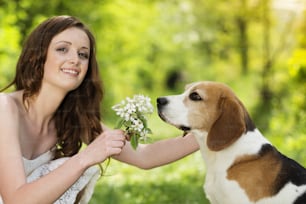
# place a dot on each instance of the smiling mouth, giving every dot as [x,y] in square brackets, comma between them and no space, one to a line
[70,71]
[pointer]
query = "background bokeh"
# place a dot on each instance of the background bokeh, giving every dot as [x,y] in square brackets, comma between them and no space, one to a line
[155,47]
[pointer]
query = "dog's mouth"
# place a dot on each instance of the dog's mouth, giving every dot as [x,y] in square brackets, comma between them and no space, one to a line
[184,128]
[161,115]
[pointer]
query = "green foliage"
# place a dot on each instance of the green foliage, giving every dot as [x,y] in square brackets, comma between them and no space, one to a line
[289,113]
[180,182]
[156,47]
[297,66]
[9,47]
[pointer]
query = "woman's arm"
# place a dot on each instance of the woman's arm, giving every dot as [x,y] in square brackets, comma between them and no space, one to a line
[159,153]
[13,186]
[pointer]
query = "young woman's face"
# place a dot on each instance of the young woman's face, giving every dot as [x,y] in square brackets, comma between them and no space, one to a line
[67,59]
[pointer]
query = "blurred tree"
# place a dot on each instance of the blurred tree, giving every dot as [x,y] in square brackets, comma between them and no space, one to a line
[277,32]
[224,32]
[29,13]
[243,43]
[266,92]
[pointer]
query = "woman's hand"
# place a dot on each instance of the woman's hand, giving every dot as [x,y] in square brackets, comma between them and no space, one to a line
[107,144]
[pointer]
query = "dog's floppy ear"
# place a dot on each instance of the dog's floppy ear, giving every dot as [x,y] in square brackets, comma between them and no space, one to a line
[228,127]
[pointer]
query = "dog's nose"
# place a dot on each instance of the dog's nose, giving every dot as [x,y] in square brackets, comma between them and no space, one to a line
[161,101]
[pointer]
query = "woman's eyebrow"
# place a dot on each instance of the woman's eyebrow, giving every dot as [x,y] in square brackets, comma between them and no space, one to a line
[63,41]
[84,47]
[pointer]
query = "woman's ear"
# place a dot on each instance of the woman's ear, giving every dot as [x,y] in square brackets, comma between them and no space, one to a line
[228,127]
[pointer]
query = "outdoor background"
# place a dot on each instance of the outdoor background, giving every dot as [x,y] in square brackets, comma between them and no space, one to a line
[258,47]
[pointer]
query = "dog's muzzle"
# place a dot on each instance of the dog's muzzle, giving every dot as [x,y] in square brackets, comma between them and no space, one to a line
[161,103]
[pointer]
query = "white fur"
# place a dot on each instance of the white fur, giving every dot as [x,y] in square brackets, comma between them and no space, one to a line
[172,111]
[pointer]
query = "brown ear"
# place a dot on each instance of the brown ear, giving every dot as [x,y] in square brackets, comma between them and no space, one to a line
[228,127]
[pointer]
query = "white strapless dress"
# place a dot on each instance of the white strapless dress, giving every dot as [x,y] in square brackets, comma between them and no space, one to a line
[44,164]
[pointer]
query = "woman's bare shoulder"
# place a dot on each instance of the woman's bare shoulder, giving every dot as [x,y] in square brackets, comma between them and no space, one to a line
[9,104]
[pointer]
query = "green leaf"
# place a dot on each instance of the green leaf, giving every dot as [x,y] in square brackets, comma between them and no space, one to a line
[134,141]
[119,123]
[149,130]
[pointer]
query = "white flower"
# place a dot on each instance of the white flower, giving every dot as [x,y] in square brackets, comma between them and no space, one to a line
[132,113]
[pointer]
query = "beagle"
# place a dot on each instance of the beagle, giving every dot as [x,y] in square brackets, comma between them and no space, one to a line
[242,165]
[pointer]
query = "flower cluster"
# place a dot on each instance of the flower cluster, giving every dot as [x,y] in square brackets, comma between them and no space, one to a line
[133,116]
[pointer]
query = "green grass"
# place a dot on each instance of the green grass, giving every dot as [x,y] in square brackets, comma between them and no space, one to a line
[178,183]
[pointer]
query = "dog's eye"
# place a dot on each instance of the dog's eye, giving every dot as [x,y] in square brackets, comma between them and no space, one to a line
[194,96]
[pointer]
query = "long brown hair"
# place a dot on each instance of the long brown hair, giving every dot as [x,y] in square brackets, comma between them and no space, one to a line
[77,119]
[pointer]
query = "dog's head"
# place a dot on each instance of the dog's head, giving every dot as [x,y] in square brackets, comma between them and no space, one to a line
[207,107]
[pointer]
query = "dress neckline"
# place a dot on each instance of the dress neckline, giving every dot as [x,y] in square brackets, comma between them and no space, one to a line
[46,154]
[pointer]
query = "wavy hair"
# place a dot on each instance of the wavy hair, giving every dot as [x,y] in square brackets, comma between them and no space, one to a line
[77,119]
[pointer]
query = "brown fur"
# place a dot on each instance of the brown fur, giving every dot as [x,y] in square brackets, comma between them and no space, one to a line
[204,113]
[257,182]
[228,127]
[224,118]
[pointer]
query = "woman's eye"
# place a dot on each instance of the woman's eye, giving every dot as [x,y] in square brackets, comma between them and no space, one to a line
[194,96]
[61,49]
[83,55]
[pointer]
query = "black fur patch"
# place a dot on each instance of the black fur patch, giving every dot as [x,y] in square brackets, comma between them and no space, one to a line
[291,171]
[301,199]
[249,124]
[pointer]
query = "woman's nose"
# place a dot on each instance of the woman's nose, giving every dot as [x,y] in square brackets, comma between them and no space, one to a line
[74,57]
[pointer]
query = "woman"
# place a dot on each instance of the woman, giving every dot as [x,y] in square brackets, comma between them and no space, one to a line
[55,109]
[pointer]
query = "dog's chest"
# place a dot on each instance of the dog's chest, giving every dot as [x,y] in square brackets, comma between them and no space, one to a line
[218,188]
